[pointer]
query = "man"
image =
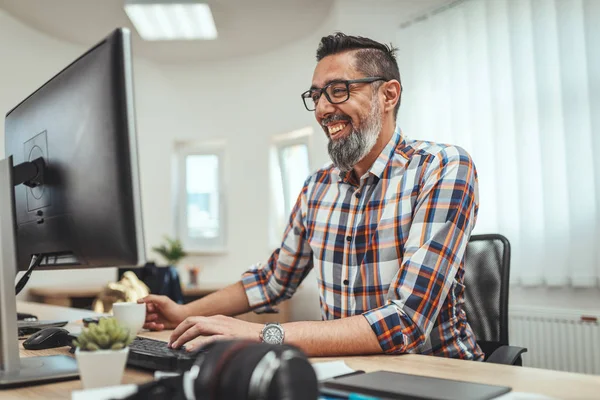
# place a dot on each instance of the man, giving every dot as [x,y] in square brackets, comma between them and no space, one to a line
[385,227]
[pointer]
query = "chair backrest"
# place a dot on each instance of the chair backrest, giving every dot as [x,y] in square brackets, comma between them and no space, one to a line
[487,275]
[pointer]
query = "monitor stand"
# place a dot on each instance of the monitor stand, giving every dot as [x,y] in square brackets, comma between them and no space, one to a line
[16,371]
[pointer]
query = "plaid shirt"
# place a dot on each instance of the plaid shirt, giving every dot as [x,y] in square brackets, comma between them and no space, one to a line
[390,247]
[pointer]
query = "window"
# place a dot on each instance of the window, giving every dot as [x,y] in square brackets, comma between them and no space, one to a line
[293,163]
[200,207]
[289,170]
[515,84]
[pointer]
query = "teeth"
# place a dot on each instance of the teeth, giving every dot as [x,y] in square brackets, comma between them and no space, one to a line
[336,128]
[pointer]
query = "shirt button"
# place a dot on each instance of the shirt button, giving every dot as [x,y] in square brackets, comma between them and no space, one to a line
[346,281]
[348,238]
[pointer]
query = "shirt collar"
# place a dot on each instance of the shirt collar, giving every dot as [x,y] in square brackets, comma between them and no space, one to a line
[382,160]
[386,154]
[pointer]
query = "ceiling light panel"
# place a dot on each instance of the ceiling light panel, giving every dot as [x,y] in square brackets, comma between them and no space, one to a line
[179,20]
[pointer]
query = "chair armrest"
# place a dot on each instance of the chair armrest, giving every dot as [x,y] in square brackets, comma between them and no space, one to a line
[508,355]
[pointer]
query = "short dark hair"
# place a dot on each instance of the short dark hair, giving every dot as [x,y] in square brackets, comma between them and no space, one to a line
[371,59]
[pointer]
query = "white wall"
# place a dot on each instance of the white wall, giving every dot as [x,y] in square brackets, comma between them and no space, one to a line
[244,101]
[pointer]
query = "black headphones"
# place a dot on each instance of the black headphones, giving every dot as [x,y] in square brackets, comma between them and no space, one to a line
[250,371]
[239,370]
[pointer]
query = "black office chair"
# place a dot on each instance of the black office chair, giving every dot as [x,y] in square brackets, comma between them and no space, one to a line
[487,274]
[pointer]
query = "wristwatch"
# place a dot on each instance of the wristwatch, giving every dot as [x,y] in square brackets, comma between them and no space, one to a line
[272,333]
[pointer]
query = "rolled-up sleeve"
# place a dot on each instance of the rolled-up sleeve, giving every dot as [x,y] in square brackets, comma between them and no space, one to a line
[277,280]
[444,215]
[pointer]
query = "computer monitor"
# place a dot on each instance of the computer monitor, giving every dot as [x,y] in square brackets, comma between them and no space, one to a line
[81,122]
[69,186]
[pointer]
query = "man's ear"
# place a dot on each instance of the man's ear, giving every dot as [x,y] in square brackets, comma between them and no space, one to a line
[392,90]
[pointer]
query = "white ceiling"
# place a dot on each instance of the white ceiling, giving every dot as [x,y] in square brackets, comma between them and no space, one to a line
[244,26]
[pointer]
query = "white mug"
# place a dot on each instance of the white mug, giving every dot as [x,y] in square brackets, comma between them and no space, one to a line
[130,315]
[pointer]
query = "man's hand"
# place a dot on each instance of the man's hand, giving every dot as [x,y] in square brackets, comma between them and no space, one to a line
[195,332]
[162,312]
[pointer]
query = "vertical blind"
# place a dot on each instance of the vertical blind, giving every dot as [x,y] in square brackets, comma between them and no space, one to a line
[517,84]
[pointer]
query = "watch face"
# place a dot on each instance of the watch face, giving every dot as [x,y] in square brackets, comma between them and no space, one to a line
[272,335]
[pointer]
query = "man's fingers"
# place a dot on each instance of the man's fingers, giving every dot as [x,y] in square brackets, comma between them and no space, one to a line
[151,298]
[202,341]
[182,327]
[150,325]
[149,306]
[193,332]
[153,301]
[151,317]
[154,326]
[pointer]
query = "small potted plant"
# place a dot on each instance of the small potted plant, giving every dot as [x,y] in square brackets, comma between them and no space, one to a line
[172,251]
[101,353]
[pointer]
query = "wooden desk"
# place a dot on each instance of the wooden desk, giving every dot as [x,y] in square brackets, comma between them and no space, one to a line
[555,384]
[64,296]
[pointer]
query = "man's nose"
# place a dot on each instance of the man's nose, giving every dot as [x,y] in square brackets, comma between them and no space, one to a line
[324,108]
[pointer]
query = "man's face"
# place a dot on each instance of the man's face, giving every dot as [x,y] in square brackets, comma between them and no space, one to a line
[354,125]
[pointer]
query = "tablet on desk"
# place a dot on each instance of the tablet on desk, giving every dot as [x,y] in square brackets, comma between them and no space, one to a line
[393,385]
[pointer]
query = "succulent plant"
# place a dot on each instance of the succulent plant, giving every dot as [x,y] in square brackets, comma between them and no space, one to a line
[107,334]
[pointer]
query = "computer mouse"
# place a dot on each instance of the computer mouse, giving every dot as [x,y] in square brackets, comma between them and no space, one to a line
[48,338]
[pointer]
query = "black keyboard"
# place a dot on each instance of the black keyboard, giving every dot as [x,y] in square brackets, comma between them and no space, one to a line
[155,355]
[27,328]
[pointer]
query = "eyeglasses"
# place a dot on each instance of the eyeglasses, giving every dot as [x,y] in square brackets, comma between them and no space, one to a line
[336,92]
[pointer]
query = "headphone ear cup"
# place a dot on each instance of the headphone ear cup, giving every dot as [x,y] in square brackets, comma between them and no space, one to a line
[235,380]
[295,379]
[226,369]
[208,361]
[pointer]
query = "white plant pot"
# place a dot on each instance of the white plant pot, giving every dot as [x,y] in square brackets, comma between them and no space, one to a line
[101,368]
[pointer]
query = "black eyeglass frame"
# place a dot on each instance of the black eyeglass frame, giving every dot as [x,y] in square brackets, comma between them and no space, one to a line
[307,95]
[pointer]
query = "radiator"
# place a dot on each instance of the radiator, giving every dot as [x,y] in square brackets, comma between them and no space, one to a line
[562,340]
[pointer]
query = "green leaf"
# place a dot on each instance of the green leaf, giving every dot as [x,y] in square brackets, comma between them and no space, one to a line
[92,347]
[107,334]
[172,251]
[103,341]
[123,335]
[129,340]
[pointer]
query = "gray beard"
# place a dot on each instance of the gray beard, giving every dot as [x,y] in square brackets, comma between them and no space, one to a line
[347,152]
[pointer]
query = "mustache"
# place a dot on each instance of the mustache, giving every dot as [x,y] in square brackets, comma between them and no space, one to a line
[335,118]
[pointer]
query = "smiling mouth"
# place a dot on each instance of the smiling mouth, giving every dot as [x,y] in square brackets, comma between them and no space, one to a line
[337,130]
